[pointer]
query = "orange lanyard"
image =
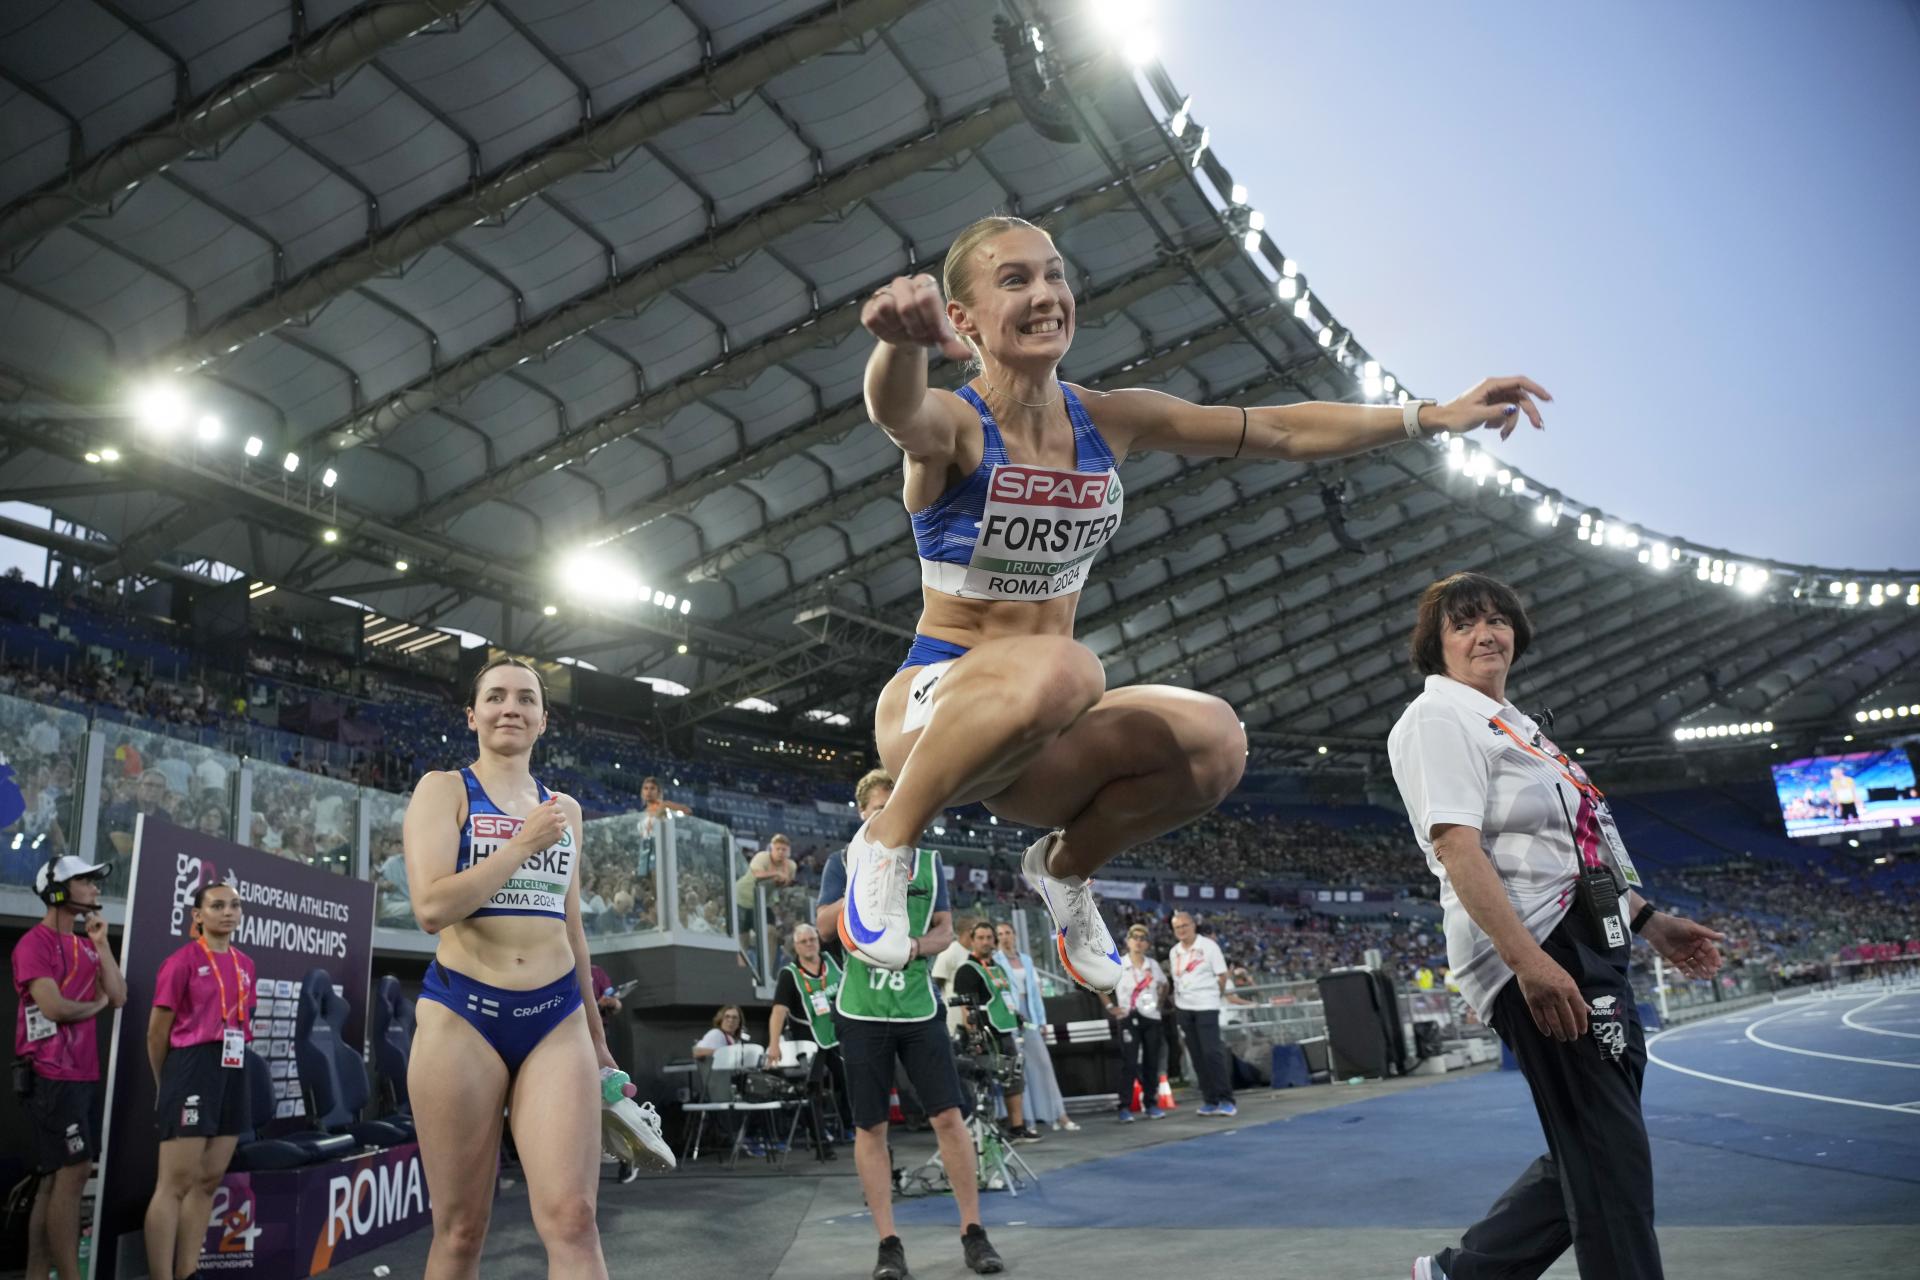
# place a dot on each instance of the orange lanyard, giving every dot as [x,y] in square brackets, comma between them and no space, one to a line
[1564,767]
[239,1010]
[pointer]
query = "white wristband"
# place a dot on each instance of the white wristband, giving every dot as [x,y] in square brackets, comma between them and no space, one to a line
[1410,417]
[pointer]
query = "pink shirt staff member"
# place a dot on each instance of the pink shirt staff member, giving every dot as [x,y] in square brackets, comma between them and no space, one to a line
[197,1037]
[64,982]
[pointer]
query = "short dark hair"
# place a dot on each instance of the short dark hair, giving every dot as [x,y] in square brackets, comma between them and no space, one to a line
[1462,597]
[473,693]
[978,925]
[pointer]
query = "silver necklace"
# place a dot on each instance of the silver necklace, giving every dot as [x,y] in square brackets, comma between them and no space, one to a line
[1022,403]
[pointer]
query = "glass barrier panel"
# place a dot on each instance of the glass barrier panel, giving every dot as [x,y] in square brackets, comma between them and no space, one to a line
[304,816]
[619,876]
[185,783]
[787,907]
[386,857]
[42,763]
[702,858]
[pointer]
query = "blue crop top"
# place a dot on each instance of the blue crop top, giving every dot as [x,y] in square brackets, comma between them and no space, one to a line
[539,887]
[1016,532]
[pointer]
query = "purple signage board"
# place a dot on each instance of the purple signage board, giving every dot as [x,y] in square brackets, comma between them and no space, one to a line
[300,1222]
[296,918]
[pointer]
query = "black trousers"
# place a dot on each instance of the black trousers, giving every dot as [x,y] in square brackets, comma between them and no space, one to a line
[1200,1028]
[1594,1187]
[1143,1064]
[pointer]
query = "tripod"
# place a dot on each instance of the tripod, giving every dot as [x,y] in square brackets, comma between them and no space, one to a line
[984,1070]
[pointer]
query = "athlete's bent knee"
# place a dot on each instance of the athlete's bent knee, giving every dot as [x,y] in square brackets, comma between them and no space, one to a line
[1220,761]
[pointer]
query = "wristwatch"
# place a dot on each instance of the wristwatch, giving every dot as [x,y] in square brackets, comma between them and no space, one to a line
[1410,417]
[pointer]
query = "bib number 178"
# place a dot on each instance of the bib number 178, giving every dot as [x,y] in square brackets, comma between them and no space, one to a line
[886,980]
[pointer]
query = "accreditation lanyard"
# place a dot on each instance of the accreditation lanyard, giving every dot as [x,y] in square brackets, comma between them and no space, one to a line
[814,995]
[1565,768]
[233,1037]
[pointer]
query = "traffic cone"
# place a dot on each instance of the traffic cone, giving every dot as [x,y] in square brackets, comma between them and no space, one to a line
[894,1114]
[1165,1097]
[1135,1104]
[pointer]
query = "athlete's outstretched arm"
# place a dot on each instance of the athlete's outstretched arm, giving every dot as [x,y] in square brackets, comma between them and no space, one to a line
[1139,420]
[908,316]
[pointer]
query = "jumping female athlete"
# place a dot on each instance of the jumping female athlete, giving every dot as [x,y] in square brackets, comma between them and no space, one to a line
[507,1016]
[1013,487]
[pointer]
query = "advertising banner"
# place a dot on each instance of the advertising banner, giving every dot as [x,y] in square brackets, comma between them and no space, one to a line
[299,1222]
[295,918]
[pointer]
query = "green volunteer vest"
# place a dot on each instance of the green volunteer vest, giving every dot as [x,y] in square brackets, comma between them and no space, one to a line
[999,1013]
[826,986]
[872,994]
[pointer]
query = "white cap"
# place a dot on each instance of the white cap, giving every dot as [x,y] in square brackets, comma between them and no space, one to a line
[67,868]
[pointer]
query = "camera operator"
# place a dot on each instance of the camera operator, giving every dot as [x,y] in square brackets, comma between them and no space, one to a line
[984,987]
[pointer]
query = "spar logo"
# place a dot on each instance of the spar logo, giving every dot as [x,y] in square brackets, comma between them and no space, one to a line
[236,1219]
[494,826]
[1035,486]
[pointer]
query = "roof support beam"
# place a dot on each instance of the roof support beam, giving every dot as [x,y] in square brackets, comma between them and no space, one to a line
[205,124]
[828,324]
[632,291]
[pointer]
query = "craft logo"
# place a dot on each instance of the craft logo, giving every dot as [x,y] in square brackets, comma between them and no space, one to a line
[1608,1029]
[190,1110]
[1604,1004]
[533,1011]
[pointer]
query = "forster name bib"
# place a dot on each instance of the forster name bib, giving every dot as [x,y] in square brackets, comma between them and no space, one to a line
[1040,530]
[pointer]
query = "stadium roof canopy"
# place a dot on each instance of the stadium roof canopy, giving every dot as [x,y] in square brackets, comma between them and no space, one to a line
[537,276]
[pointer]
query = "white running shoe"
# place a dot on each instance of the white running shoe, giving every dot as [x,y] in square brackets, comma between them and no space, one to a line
[631,1132]
[1086,948]
[873,921]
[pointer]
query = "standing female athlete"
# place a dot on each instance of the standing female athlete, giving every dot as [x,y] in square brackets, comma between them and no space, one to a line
[507,1016]
[1013,487]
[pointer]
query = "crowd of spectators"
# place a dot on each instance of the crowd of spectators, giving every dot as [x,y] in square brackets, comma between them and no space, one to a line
[1237,845]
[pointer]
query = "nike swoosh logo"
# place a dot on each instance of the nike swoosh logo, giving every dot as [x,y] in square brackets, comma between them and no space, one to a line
[855,925]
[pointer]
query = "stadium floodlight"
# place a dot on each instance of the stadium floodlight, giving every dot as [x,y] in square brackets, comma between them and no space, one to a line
[1323,750]
[1206,136]
[1504,477]
[209,430]
[110,454]
[1583,535]
[686,606]
[254,446]
[1289,268]
[399,566]
[330,535]
[1303,309]
[1586,518]
[1853,588]
[92,456]
[160,407]
[1326,336]
[681,649]
[1392,386]
[1544,512]
[291,462]
[1874,714]
[1178,125]
[660,597]
[1860,716]
[549,610]
[1257,220]
[1833,588]
[1646,557]
[671,601]
[1251,241]
[1140,48]
[1288,288]
[1239,195]
[328,477]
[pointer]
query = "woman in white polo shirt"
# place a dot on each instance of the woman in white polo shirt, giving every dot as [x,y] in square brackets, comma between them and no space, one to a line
[1531,871]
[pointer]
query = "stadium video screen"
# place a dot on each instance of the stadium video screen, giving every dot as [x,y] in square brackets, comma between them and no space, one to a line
[1857,792]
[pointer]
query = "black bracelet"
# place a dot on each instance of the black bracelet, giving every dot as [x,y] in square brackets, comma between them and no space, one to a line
[1243,432]
[1640,917]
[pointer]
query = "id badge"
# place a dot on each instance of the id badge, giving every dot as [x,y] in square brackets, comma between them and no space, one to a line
[233,1047]
[1617,847]
[1148,1003]
[39,1025]
[820,1003]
